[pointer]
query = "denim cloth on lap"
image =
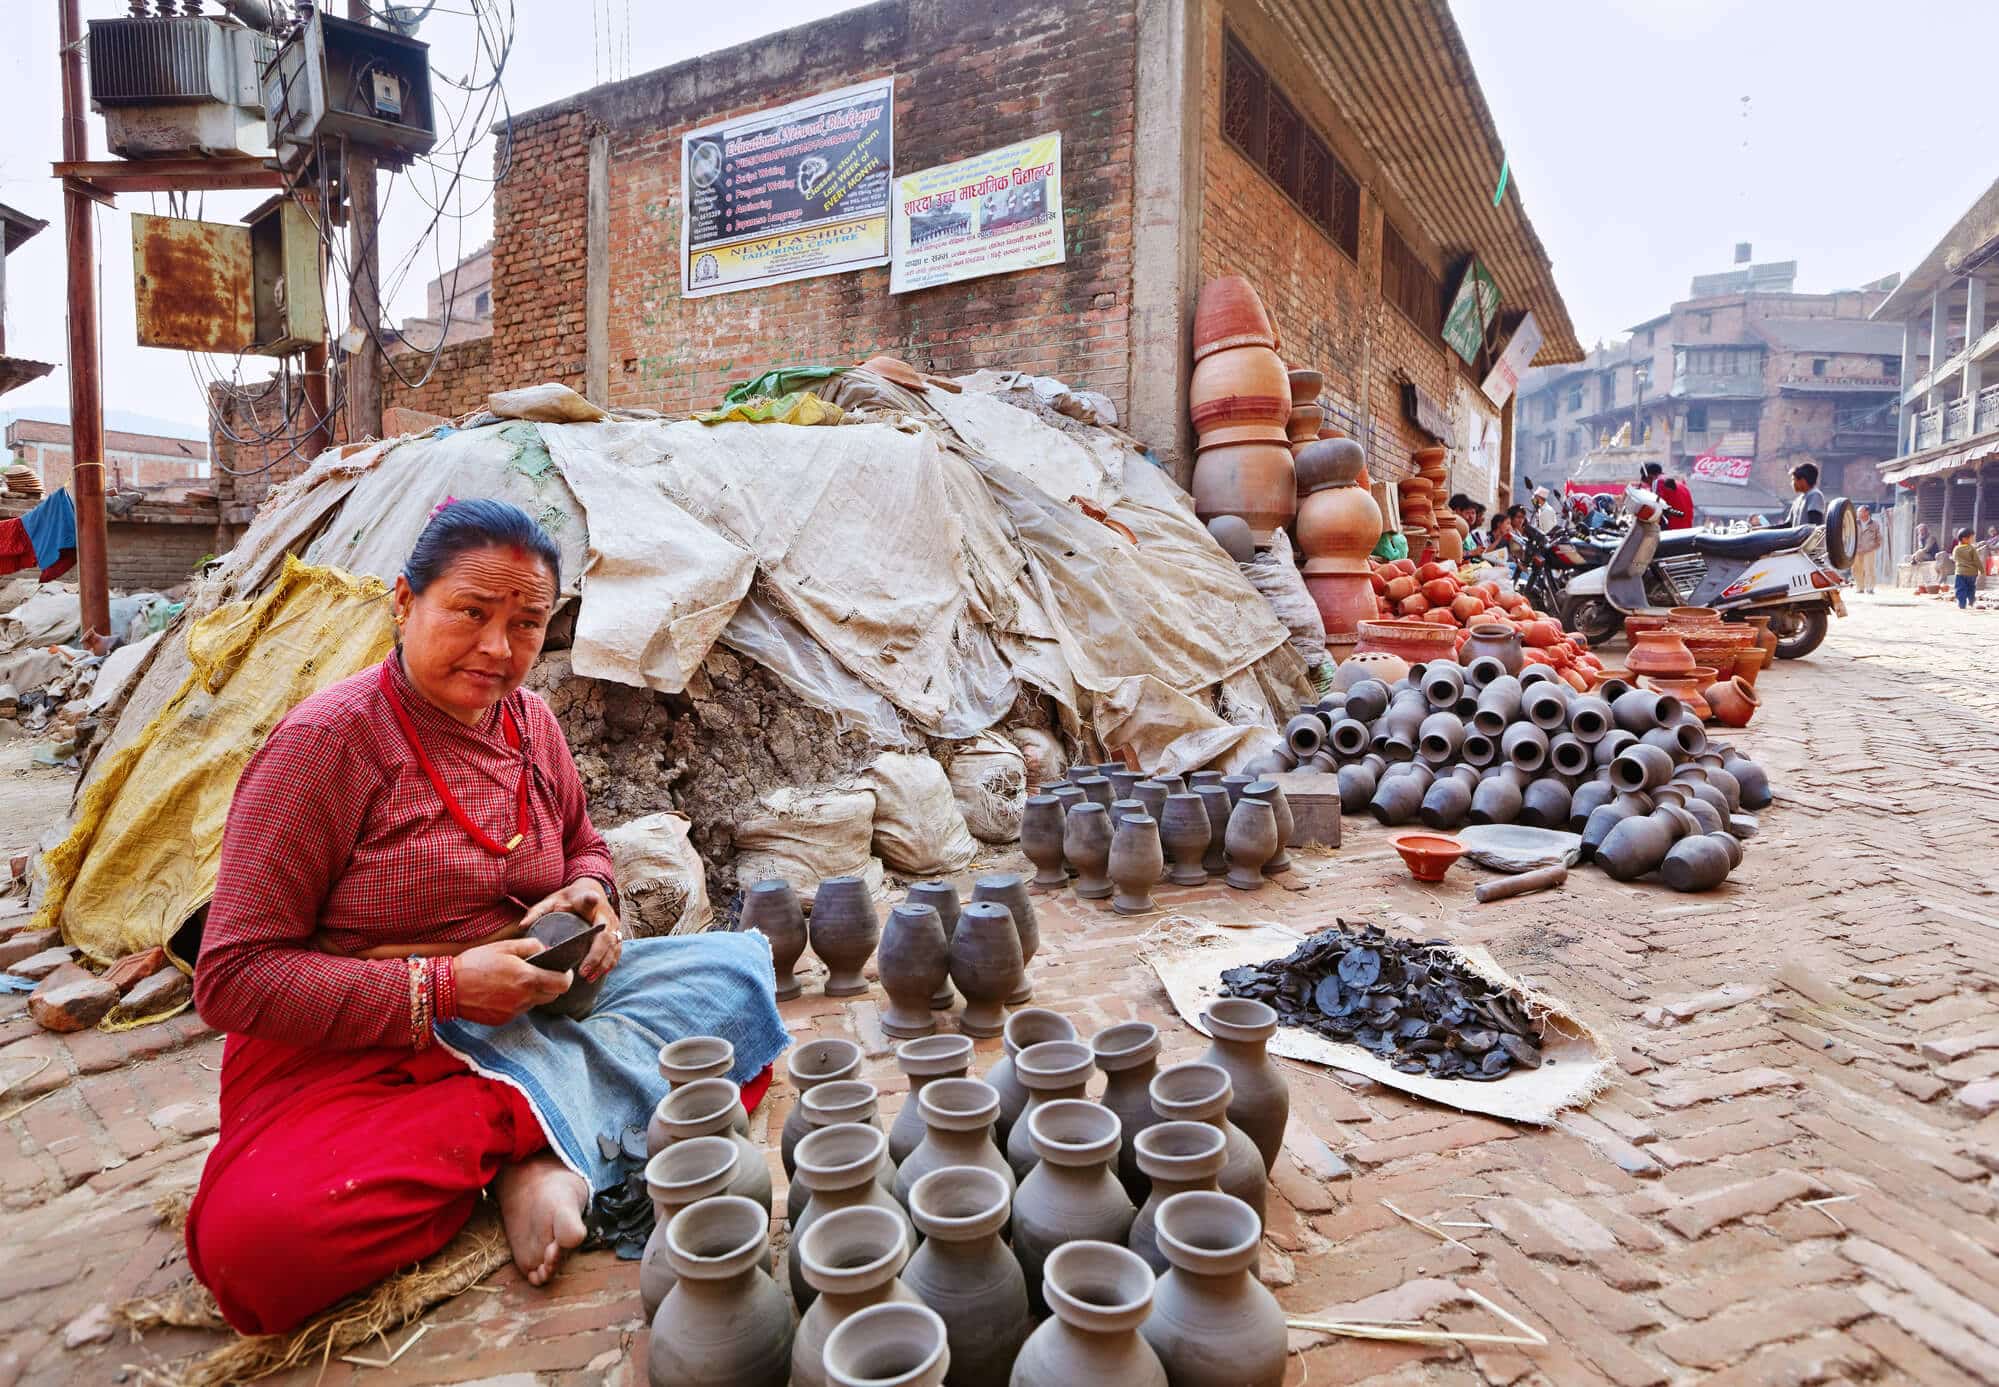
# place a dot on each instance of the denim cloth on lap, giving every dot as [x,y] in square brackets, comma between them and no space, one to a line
[601,1074]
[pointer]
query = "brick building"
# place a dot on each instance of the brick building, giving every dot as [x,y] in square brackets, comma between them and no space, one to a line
[458,305]
[1743,368]
[1199,137]
[131,460]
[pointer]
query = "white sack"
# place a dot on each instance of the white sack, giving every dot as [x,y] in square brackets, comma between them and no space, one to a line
[804,836]
[1041,753]
[53,616]
[662,886]
[1274,573]
[547,403]
[918,829]
[989,779]
[119,668]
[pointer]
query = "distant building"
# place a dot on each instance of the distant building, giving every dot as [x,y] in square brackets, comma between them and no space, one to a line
[1745,369]
[131,460]
[467,291]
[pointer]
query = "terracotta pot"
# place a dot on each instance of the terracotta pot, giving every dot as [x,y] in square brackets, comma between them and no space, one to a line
[1217,804]
[842,1165]
[1693,616]
[1428,855]
[1050,1070]
[844,933]
[1305,385]
[1041,840]
[924,1061]
[1213,1324]
[1010,890]
[850,1259]
[1734,701]
[1765,637]
[809,1065]
[1659,653]
[1176,1158]
[1137,864]
[1229,314]
[966,1274]
[1749,663]
[725,1323]
[772,908]
[684,1173]
[985,958]
[1686,688]
[894,1344]
[1128,1054]
[1252,481]
[1251,842]
[1200,1092]
[1338,527]
[1099,1295]
[1303,425]
[1260,1100]
[1028,1026]
[1230,435]
[1415,641]
[1244,385]
[1070,1193]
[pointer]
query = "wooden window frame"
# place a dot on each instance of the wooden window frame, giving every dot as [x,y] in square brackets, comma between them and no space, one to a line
[1330,203]
[1409,284]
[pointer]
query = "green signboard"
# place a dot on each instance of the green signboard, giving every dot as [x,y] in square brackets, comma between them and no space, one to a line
[1472,312]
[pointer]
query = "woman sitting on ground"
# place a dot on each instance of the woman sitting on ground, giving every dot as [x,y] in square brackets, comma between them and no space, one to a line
[385,851]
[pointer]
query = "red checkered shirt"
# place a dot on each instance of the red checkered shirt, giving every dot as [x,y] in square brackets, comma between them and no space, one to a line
[336,832]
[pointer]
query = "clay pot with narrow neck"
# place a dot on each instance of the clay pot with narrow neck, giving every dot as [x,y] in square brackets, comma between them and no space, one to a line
[1212,1323]
[894,1344]
[924,1061]
[700,1057]
[815,1062]
[1525,745]
[1050,1071]
[1128,1054]
[1086,841]
[1137,864]
[684,1173]
[1216,803]
[1659,653]
[842,1166]
[1544,804]
[1498,705]
[1637,844]
[844,933]
[1176,1157]
[1734,702]
[1495,641]
[1098,1296]
[851,1258]
[771,908]
[724,1323]
[1259,1100]
[1070,1193]
[1641,710]
[707,1108]
[1200,1092]
[1587,799]
[1184,832]
[1041,841]
[830,1105]
[1251,480]
[1440,738]
[958,1116]
[1752,781]
[1251,842]
[942,897]
[966,1274]
[1357,786]
[1546,705]
[1028,1026]
[1010,890]
[1497,800]
[914,962]
[1697,862]
[985,964]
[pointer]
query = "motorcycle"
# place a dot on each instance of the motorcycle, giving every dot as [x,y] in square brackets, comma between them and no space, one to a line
[1791,575]
[1550,562]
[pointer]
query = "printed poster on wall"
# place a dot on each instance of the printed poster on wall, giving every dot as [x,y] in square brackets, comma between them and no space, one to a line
[990,214]
[1712,467]
[789,193]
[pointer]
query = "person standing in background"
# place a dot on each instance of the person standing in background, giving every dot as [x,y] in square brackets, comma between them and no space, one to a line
[1809,507]
[1678,498]
[1967,565]
[1866,550]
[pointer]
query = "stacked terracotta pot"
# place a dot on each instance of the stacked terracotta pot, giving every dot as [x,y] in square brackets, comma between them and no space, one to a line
[1241,402]
[1338,526]
[1308,417]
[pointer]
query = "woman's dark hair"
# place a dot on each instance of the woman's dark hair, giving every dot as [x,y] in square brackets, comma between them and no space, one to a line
[458,527]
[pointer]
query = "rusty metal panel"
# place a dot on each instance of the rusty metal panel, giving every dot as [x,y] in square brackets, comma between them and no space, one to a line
[192,284]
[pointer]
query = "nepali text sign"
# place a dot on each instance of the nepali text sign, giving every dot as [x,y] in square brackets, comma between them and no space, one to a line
[990,214]
[1472,312]
[789,193]
[1504,378]
[1713,467]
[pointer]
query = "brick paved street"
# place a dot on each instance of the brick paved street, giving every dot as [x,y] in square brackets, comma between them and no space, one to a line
[1791,1181]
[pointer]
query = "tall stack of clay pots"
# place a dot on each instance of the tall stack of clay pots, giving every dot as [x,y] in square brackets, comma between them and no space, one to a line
[1240,399]
[1423,512]
[1308,416]
[1338,526]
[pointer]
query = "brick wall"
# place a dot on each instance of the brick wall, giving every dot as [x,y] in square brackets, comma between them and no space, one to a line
[969,76]
[154,556]
[253,441]
[459,384]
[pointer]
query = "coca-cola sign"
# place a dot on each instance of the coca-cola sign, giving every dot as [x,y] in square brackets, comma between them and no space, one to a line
[1713,467]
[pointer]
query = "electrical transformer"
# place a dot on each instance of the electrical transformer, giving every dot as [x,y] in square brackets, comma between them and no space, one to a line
[180,86]
[334,79]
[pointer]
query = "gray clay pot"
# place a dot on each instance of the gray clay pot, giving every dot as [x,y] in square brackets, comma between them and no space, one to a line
[1128,1055]
[1138,862]
[1096,789]
[842,1166]
[1397,799]
[914,962]
[1176,1157]
[985,960]
[1050,1071]
[1199,1092]
[1637,845]
[1233,534]
[1070,1192]
[924,1061]
[1641,767]
[1215,801]
[1613,745]
[1498,705]
[809,1065]
[1568,754]
[1152,794]
[1349,737]
[1545,804]
[1446,803]
[1439,737]
[1753,783]
[1239,1030]
[1122,782]
[1305,734]
[1028,1026]
[1086,841]
[1099,1295]
[942,897]
[1251,842]
[1356,788]
[700,1057]
[1443,685]
[1731,845]
[1525,745]
[1271,793]
[1367,700]
[1010,890]
[1041,840]
[1495,801]
[967,1275]
[850,1258]
[1589,718]
[894,1344]
[1640,710]
[1184,832]
[1477,749]
[1543,705]
[771,908]
[707,1108]
[1120,808]
[1213,1324]
[1588,797]
[725,1323]
[682,1174]
[1610,690]
[844,933]
[958,1117]
[1698,862]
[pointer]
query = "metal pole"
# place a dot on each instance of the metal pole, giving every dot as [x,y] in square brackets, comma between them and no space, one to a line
[364,366]
[86,405]
[314,374]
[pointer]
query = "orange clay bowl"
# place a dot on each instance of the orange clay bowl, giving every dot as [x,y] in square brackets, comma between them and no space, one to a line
[1428,855]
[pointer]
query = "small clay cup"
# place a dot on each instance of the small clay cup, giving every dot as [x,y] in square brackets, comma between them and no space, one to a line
[844,933]
[771,908]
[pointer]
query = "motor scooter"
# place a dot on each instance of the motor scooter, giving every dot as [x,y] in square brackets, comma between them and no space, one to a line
[1792,575]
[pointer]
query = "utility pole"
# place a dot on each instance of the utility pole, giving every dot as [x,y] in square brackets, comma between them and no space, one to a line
[86,405]
[364,258]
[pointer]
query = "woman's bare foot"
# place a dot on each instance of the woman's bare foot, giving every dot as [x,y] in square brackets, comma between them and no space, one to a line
[542,1203]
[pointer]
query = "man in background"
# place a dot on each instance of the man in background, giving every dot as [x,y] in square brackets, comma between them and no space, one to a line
[1809,506]
[1866,549]
[1673,493]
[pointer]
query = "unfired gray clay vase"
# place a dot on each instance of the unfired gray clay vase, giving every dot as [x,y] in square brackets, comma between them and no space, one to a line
[700,1057]
[842,1165]
[1176,1157]
[725,1323]
[912,964]
[1495,801]
[1086,841]
[1041,840]
[828,1105]
[1239,1029]
[1050,1071]
[771,907]
[985,965]
[1356,788]
[1070,1193]
[1200,1092]
[942,897]
[1215,799]
[1446,803]
[966,1274]
[894,1344]
[1010,890]
[684,1173]
[1128,1054]
[707,1108]
[1251,841]
[1099,1295]
[1212,1323]
[958,1117]
[1184,833]
[1137,864]
[923,1060]
[814,1062]
[844,933]
[1698,862]
[851,1258]
[1028,1026]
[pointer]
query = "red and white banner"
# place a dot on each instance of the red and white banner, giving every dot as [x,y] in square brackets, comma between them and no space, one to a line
[1712,467]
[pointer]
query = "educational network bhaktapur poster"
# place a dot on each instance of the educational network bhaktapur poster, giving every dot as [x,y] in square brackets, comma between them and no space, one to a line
[789,193]
[986,215]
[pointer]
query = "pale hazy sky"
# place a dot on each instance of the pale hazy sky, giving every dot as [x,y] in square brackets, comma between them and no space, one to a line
[1868,129]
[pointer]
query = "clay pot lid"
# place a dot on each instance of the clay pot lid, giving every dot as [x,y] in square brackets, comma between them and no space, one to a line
[1428,855]
[895,369]
[818,1061]
[961,1202]
[938,1054]
[1328,462]
[1229,314]
[1032,1025]
[696,1057]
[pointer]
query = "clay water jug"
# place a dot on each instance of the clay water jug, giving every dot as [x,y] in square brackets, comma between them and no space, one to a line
[1568,754]
[1199,1092]
[707,1108]
[922,1061]
[1698,862]
[1252,480]
[771,907]
[1215,800]
[1028,1026]
[842,1165]
[684,1173]
[1010,890]
[1050,1071]
[1128,1054]
[894,1344]
[1099,1295]
[1357,787]
[958,1119]
[1636,845]
[1137,864]
[829,1105]
[1641,767]
[1545,804]
[1259,1098]
[851,1258]
[1494,641]
[700,1057]
[1614,744]
[1176,1157]
[966,1274]
[1446,802]
[1497,800]
[1498,705]
[1212,1323]
[844,933]
[814,1062]
[1070,1192]
[1086,842]
[985,965]
[1251,841]
[914,961]
[942,897]
[724,1323]
[1184,832]
[1041,840]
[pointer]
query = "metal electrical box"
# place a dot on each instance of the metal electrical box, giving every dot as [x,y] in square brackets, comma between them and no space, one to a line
[286,289]
[177,86]
[212,287]
[338,79]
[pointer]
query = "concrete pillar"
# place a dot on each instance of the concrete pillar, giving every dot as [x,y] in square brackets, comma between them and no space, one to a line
[1166,231]
[1939,319]
[597,273]
[1974,328]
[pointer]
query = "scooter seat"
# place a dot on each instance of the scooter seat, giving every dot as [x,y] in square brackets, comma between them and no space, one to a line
[1752,545]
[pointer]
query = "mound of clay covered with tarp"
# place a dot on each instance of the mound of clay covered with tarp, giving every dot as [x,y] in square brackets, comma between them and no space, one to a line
[795,650]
